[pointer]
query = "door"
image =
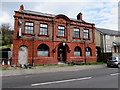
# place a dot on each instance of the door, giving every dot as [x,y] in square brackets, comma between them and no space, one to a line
[62,54]
[23,55]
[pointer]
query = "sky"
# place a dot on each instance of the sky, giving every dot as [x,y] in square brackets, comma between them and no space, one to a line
[103,13]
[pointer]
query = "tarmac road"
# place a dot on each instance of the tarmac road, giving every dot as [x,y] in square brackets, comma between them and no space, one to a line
[94,78]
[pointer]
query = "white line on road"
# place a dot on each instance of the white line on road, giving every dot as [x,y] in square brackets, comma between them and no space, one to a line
[114,74]
[61,81]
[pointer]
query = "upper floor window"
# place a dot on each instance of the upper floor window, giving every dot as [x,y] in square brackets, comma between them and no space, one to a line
[29,27]
[76,33]
[107,36]
[61,31]
[43,29]
[114,38]
[86,34]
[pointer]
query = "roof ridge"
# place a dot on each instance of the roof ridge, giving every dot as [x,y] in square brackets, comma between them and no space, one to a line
[52,15]
[38,12]
[108,29]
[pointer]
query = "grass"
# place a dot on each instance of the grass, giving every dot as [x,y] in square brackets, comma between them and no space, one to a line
[45,65]
[51,65]
[97,63]
[6,46]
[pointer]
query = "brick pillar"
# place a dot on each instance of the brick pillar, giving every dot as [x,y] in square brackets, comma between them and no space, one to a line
[68,32]
[54,31]
[15,27]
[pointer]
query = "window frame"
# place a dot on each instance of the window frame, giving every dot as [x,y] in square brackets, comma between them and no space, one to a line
[107,36]
[87,33]
[28,26]
[60,30]
[89,51]
[77,32]
[38,49]
[43,28]
[80,51]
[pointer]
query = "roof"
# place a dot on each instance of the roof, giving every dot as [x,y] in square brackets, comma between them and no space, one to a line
[48,15]
[108,31]
[37,13]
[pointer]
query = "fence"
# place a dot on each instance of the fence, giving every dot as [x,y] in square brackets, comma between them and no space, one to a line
[103,57]
[7,55]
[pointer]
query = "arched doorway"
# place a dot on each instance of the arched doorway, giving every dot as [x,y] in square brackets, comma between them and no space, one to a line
[61,54]
[23,55]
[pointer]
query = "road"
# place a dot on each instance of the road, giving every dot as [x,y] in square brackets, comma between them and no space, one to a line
[96,78]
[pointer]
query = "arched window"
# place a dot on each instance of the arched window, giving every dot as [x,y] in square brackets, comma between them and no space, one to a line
[77,51]
[43,50]
[88,51]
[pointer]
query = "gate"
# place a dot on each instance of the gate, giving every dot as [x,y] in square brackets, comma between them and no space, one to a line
[5,54]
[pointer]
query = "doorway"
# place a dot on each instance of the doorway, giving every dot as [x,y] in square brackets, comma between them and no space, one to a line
[23,55]
[61,54]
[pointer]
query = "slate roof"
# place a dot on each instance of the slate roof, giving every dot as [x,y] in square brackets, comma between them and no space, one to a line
[37,13]
[108,31]
[49,15]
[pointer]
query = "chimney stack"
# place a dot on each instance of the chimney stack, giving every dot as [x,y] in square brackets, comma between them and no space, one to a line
[21,8]
[79,16]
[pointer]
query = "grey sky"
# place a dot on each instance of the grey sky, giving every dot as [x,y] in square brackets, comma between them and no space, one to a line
[104,14]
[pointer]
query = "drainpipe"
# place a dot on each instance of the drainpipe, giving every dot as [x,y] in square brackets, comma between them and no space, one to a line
[105,42]
[33,50]
[85,50]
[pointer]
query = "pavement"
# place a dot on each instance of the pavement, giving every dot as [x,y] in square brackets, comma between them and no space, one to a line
[49,69]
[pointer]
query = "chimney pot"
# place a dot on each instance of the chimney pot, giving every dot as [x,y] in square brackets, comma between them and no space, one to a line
[79,16]
[21,8]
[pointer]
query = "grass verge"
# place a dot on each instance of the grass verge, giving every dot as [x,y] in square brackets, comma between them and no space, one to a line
[51,65]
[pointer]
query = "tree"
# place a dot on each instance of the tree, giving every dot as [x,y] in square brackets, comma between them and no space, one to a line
[6,34]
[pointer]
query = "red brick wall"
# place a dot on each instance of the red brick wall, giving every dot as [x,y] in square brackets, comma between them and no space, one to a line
[52,41]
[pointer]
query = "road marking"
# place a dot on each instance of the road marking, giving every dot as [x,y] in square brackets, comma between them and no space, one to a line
[26,76]
[61,81]
[114,74]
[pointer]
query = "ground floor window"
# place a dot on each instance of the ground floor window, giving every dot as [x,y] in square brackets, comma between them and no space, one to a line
[88,51]
[77,51]
[43,50]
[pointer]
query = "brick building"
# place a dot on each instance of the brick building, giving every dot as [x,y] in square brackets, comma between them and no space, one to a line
[41,38]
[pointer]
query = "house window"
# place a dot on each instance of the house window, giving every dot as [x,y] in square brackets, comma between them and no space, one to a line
[61,31]
[114,38]
[29,27]
[76,33]
[88,51]
[43,50]
[108,48]
[77,51]
[86,34]
[43,29]
[107,36]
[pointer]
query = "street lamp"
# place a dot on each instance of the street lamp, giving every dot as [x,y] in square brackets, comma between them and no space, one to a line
[63,43]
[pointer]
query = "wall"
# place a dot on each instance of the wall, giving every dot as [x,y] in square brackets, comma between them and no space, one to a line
[98,38]
[32,41]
